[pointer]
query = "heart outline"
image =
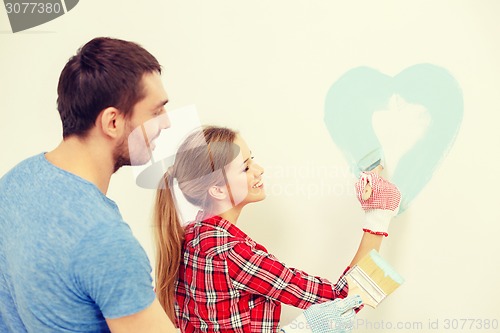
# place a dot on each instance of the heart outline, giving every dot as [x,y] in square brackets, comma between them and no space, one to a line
[361,91]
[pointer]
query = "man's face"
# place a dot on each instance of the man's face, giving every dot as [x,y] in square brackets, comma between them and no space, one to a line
[145,124]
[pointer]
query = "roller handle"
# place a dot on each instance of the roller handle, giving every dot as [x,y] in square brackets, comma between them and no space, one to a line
[367,192]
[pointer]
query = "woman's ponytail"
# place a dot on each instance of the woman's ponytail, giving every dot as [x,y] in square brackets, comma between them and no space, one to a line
[169,237]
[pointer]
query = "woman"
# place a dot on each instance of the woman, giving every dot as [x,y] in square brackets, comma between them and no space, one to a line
[223,280]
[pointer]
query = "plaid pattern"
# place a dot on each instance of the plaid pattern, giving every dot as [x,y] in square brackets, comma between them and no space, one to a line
[229,283]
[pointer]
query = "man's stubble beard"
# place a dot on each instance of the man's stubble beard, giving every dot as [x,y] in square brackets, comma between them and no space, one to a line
[121,154]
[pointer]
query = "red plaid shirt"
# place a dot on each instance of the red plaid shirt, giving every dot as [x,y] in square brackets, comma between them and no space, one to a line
[229,283]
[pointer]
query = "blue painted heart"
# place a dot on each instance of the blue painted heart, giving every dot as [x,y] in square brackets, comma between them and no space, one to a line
[356,95]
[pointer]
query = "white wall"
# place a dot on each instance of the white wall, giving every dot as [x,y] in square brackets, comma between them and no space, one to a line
[264,67]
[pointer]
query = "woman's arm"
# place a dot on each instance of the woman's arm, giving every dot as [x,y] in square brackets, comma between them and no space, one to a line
[258,272]
[368,242]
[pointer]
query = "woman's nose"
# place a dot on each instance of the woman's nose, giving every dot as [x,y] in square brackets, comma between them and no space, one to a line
[258,169]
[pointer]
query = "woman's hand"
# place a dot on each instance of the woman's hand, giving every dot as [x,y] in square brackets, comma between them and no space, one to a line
[335,316]
[381,205]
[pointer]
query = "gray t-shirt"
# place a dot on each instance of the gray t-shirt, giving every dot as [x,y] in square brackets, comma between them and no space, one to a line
[67,258]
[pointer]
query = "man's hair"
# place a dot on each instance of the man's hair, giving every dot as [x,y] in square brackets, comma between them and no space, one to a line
[105,72]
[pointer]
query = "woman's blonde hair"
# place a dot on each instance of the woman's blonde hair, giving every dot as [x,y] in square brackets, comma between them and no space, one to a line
[199,157]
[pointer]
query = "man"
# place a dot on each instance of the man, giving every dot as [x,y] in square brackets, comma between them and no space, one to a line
[68,261]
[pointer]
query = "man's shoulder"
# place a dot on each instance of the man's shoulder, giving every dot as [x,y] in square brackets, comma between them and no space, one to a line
[46,200]
[37,184]
[24,167]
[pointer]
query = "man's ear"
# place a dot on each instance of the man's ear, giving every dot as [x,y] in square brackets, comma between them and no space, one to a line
[111,122]
[217,192]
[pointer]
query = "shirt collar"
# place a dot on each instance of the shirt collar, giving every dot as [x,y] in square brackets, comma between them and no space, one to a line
[218,221]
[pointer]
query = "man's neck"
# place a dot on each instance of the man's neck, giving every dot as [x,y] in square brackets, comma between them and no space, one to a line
[84,158]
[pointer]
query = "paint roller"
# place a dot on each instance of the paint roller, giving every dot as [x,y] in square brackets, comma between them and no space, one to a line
[371,162]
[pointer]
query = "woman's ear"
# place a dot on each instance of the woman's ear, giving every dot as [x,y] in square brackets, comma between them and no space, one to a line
[111,122]
[217,192]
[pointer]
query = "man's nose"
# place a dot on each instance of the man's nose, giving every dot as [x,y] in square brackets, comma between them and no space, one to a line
[164,121]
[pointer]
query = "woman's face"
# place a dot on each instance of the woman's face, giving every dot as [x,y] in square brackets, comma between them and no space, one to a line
[244,177]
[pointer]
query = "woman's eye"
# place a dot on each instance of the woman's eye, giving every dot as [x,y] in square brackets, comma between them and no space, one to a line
[248,167]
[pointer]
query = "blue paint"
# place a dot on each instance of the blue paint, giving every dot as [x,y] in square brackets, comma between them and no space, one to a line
[355,96]
[386,267]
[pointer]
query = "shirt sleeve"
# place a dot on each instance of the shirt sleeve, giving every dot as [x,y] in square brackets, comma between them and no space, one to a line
[112,269]
[259,272]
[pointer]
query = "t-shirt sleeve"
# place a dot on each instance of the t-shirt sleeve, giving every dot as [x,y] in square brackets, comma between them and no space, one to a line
[112,269]
[259,272]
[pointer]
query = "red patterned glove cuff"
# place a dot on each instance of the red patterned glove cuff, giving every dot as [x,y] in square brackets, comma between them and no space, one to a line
[379,233]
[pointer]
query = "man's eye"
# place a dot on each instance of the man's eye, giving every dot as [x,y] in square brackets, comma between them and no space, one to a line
[159,112]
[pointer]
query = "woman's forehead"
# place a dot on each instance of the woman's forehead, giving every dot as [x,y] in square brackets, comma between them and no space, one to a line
[244,150]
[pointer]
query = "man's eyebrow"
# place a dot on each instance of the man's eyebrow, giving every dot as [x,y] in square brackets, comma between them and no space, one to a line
[162,103]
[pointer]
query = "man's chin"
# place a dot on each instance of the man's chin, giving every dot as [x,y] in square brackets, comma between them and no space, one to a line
[121,162]
[137,160]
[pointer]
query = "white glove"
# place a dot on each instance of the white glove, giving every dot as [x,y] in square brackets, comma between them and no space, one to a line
[335,316]
[381,206]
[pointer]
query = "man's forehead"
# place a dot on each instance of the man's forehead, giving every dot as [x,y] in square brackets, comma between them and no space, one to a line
[153,91]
